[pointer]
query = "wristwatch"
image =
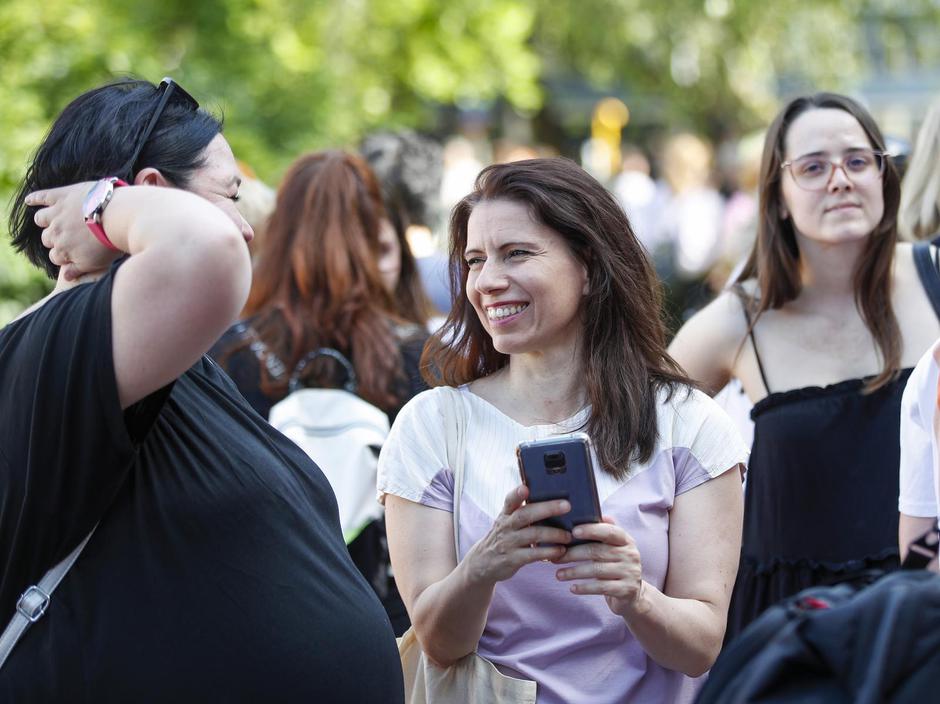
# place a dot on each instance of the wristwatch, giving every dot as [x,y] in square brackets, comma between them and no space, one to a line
[95,202]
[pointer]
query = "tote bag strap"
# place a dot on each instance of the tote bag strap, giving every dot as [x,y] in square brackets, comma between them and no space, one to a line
[455,428]
[33,603]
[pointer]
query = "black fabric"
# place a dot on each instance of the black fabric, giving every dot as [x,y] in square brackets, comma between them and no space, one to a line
[829,645]
[927,269]
[822,487]
[369,550]
[821,495]
[235,354]
[218,571]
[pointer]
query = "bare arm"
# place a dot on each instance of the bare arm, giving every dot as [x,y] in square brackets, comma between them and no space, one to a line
[706,346]
[185,282]
[682,627]
[448,601]
[910,528]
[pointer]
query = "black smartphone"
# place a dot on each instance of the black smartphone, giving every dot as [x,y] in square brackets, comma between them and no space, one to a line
[561,468]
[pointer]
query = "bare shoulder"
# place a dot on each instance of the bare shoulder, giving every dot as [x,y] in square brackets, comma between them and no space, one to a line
[722,322]
[707,344]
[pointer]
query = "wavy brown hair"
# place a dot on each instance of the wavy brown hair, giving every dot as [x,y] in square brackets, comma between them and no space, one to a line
[774,261]
[625,364]
[316,282]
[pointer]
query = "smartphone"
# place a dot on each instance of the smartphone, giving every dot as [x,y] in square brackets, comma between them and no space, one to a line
[561,468]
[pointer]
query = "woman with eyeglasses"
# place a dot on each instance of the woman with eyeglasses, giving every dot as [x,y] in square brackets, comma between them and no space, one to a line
[821,328]
[216,569]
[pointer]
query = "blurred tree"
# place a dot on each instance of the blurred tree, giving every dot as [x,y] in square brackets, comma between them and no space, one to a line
[292,75]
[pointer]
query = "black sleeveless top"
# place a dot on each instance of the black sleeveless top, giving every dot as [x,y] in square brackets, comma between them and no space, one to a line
[821,501]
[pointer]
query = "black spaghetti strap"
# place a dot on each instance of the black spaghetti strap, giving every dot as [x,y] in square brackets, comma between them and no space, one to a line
[742,296]
[929,276]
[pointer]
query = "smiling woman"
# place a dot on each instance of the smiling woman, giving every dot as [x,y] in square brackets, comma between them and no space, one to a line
[822,328]
[557,329]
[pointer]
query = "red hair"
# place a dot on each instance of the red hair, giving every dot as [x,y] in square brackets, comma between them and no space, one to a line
[317,283]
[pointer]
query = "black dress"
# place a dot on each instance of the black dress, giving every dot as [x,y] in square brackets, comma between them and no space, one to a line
[821,502]
[240,353]
[217,572]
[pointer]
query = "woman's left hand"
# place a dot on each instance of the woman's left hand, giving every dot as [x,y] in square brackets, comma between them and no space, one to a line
[610,565]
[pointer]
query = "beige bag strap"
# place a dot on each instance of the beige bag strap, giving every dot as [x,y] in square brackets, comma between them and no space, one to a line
[472,678]
[455,434]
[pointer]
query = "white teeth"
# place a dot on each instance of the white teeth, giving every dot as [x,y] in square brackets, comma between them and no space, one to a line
[504,311]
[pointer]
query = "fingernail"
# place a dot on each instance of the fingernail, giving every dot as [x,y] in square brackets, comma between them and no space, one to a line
[565,506]
[577,532]
[29,199]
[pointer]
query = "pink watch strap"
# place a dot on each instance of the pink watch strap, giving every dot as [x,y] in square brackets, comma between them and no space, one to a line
[94,222]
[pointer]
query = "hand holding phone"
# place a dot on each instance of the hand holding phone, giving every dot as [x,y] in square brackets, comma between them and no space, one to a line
[561,468]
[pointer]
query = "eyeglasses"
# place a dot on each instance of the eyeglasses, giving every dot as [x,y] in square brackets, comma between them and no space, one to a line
[168,88]
[812,172]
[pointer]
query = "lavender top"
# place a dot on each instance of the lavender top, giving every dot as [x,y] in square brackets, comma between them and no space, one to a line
[571,645]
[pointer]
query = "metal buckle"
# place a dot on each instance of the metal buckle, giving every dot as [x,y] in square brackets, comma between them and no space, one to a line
[33,603]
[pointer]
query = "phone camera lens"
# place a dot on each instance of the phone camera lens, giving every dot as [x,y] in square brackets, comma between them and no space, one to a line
[555,462]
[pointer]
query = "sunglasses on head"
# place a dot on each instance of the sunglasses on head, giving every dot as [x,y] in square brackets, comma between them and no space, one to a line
[168,89]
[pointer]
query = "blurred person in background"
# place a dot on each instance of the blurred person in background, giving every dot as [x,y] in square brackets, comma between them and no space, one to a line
[919,216]
[690,222]
[919,219]
[216,570]
[255,203]
[822,328]
[409,168]
[325,277]
[640,197]
[558,329]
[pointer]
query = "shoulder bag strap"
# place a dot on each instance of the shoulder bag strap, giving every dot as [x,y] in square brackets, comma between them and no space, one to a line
[455,428]
[929,277]
[34,601]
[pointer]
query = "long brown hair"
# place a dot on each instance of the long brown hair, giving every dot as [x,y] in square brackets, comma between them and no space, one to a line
[316,281]
[775,259]
[625,363]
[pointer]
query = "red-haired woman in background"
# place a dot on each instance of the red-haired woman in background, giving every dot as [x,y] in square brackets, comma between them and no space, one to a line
[325,277]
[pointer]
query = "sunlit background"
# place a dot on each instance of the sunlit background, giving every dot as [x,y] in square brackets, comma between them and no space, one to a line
[610,83]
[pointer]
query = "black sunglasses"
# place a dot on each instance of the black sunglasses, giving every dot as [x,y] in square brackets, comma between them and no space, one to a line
[168,88]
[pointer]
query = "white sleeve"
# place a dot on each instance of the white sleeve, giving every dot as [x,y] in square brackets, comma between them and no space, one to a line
[413,462]
[711,439]
[918,497]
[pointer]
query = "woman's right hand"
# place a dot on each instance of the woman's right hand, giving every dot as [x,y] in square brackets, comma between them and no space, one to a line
[514,540]
[71,245]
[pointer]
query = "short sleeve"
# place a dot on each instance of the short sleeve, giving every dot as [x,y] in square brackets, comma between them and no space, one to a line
[705,441]
[917,491]
[413,463]
[68,446]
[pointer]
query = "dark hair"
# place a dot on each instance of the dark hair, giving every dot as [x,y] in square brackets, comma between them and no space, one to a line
[316,282]
[625,363]
[95,137]
[775,259]
[409,168]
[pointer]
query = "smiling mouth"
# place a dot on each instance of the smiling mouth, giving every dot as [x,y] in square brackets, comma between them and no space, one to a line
[502,312]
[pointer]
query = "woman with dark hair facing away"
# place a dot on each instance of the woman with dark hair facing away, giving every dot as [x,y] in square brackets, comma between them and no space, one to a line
[325,277]
[557,328]
[217,570]
[822,329]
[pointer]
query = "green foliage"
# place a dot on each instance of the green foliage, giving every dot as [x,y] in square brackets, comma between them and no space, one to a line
[295,75]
